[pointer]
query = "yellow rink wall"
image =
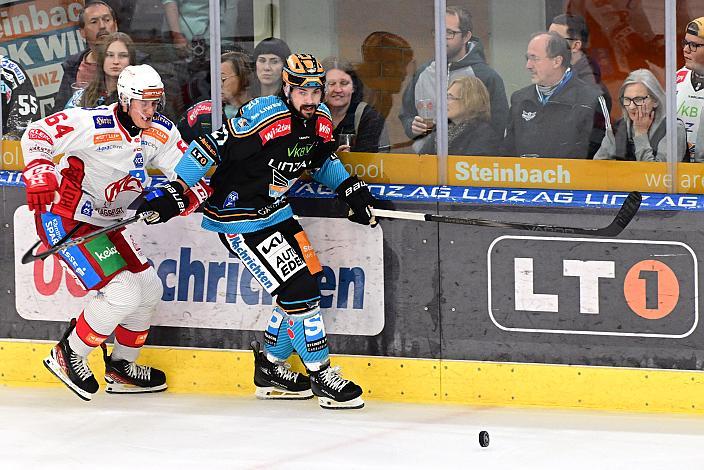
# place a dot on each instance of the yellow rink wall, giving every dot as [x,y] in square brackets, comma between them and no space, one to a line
[207,371]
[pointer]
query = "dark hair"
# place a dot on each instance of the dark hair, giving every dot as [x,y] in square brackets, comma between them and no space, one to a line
[242,65]
[81,18]
[274,46]
[332,63]
[463,15]
[557,46]
[97,86]
[576,27]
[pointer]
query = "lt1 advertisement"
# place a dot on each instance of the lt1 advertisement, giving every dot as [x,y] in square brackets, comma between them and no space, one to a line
[598,287]
[206,287]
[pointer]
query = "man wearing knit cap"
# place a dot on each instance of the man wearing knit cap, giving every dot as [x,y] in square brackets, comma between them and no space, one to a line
[690,86]
[269,57]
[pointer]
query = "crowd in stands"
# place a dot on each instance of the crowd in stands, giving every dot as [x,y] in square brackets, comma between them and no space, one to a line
[566,111]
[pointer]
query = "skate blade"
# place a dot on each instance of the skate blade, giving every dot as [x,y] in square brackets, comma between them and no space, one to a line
[119,388]
[54,367]
[330,404]
[273,393]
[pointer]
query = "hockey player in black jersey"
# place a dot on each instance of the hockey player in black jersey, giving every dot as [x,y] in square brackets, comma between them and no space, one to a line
[259,154]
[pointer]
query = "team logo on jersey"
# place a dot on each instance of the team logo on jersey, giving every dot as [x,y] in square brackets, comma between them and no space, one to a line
[231,200]
[324,128]
[103,122]
[38,134]
[158,134]
[277,129]
[138,160]
[87,209]
[527,115]
[163,120]
[128,183]
[109,137]
[280,184]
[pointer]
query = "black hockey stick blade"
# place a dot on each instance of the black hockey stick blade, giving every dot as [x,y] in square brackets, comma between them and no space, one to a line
[31,256]
[625,215]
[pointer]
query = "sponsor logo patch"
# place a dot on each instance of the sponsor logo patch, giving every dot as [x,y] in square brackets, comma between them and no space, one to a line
[87,209]
[324,128]
[158,134]
[277,129]
[281,256]
[204,107]
[103,122]
[109,137]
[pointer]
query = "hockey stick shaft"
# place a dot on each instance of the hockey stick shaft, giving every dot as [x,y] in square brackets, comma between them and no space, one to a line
[30,256]
[625,215]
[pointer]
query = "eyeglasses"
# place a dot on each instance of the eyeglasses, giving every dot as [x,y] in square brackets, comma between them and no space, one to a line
[693,46]
[224,79]
[636,100]
[449,33]
[452,97]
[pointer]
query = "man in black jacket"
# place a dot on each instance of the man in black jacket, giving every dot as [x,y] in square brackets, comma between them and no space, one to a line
[96,21]
[465,57]
[555,116]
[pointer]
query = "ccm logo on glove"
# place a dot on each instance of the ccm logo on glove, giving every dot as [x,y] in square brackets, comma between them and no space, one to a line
[40,180]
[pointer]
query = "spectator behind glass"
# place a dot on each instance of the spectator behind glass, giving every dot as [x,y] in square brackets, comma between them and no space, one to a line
[96,21]
[469,113]
[269,57]
[690,86]
[236,77]
[115,53]
[639,135]
[574,29]
[465,57]
[351,115]
[559,115]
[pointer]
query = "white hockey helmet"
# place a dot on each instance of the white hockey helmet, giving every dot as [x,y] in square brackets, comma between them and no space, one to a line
[139,82]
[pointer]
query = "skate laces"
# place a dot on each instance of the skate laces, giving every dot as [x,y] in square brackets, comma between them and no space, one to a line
[134,370]
[283,370]
[80,366]
[332,378]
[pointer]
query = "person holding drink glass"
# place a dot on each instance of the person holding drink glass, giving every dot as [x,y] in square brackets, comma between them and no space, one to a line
[358,127]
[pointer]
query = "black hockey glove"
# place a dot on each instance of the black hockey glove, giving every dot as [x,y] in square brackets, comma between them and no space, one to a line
[166,201]
[355,193]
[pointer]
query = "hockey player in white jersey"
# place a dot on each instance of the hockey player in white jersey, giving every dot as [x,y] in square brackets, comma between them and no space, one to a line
[106,152]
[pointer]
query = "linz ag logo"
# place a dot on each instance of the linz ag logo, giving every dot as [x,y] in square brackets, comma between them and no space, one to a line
[582,286]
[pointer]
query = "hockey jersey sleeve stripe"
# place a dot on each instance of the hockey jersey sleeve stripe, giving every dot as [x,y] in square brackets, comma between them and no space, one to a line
[332,173]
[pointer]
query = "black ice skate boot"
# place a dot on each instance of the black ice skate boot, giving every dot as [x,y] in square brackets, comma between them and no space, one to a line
[71,368]
[274,380]
[333,391]
[129,377]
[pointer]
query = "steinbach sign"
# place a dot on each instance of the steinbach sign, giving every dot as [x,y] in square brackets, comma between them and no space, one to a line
[205,287]
[586,286]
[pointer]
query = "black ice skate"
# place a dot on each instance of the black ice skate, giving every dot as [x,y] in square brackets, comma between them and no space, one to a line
[129,377]
[274,380]
[333,391]
[71,368]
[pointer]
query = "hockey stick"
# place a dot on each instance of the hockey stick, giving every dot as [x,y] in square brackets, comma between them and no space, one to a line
[31,256]
[625,215]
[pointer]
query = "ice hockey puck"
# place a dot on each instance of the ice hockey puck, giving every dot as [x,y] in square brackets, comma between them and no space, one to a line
[484,439]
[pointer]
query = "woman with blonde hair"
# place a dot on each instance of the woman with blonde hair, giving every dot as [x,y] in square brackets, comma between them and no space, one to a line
[114,53]
[469,114]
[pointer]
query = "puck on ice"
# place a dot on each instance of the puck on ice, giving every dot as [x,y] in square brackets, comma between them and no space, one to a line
[484,439]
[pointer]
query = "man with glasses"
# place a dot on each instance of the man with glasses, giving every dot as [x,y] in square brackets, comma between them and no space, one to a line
[557,116]
[465,57]
[690,86]
[575,30]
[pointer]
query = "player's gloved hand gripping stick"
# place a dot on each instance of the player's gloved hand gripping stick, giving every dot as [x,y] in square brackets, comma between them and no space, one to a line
[625,215]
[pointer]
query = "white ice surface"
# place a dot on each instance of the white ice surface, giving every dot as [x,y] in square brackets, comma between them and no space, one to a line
[51,428]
